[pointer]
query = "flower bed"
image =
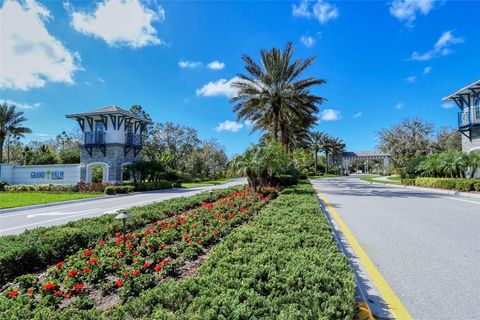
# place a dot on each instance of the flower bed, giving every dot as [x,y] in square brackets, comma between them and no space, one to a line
[126,266]
[37,248]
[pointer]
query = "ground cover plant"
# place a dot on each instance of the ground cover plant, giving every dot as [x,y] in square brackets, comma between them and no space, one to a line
[459,184]
[283,264]
[11,200]
[37,248]
[126,265]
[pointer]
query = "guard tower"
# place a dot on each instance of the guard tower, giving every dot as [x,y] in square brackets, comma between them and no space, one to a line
[468,100]
[111,138]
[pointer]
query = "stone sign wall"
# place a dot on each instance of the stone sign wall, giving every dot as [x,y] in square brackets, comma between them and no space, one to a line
[42,174]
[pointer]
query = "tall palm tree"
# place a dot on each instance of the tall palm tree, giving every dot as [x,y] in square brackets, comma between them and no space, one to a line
[331,146]
[316,141]
[272,96]
[10,124]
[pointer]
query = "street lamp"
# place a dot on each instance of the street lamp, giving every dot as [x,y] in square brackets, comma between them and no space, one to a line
[124,215]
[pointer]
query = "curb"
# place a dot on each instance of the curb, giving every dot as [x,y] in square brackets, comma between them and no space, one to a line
[364,311]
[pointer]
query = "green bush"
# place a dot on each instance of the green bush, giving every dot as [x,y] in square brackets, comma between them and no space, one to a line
[157,185]
[459,184]
[409,182]
[37,248]
[111,190]
[285,263]
[3,185]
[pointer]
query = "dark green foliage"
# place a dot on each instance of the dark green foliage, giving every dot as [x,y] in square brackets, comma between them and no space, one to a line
[69,156]
[37,248]
[459,184]
[3,185]
[283,265]
[110,190]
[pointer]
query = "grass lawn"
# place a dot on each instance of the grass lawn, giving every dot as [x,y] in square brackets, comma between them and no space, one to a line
[203,183]
[19,199]
[389,180]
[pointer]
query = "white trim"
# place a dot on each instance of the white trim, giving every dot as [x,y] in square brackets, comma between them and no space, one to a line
[105,175]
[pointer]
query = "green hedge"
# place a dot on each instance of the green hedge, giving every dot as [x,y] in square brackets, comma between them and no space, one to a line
[40,188]
[285,263]
[111,190]
[37,248]
[458,184]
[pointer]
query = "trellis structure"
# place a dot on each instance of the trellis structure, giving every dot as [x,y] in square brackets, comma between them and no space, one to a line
[367,158]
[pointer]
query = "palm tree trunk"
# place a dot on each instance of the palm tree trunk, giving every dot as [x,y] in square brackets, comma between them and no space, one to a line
[326,162]
[316,160]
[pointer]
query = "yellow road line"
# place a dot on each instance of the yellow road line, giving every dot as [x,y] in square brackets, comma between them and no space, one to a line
[391,299]
[364,312]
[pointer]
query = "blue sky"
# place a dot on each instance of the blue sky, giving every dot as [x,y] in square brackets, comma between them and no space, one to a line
[383,61]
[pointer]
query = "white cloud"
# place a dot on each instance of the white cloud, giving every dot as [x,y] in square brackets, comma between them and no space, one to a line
[440,48]
[321,10]
[216,65]
[120,22]
[358,115]
[21,105]
[30,55]
[185,64]
[399,106]
[248,123]
[43,135]
[330,115]
[222,87]
[427,70]
[229,125]
[407,10]
[411,79]
[307,41]
[448,105]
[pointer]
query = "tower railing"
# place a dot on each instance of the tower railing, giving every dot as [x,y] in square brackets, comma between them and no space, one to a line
[469,117]
[133,139]
[94,138]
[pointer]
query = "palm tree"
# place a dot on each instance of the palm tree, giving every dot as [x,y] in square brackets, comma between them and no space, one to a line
[331,146]
[273,98]
[10,124]
[316,141]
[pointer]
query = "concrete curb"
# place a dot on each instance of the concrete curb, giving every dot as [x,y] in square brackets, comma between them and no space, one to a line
[363,300]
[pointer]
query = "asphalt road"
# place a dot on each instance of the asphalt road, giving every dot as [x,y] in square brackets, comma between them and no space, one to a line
[19,221]
[425,244]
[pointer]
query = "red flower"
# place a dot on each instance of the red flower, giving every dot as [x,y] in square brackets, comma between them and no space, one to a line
[101,242]
[136,272]
[87,253]
[136,253]
[120,254]
[125,274]
[72,273]
[29,292]
[93,261]
[195,225]
[13,293]
[49,286]
[60,264]
[68,295]
[200,242]
[78,287]
[146,265]
[119,283]
[114,264]
[164,262]
[158,267]
[215,232]
[57,293]
[86,270]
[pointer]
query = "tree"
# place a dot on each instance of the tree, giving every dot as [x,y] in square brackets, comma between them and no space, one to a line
[11,122]
[406,141]
[331,146]
[273,98]
[316,141]
[447,140]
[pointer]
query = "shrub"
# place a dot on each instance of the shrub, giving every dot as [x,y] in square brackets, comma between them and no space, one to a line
[409,182]
[459,184]
[36,248]
[110,190]
[2,185]
[285,264]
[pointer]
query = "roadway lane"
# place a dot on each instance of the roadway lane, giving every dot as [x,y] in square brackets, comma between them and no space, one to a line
[425,244]
[19,221]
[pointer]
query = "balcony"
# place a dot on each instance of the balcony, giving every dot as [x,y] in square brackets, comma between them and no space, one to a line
[133,140]
[469,117]
[94,138]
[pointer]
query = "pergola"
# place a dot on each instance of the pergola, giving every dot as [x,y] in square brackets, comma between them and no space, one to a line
[348,157]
